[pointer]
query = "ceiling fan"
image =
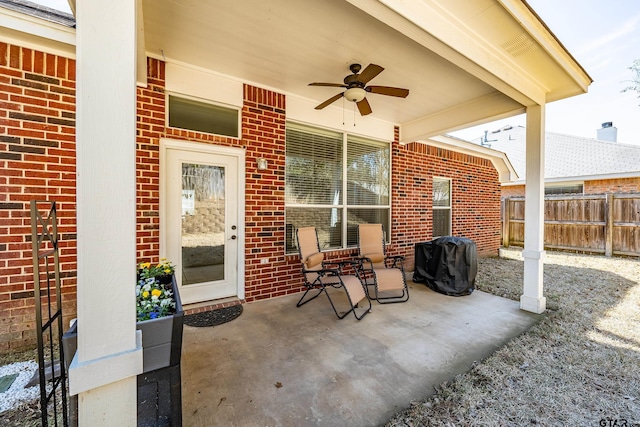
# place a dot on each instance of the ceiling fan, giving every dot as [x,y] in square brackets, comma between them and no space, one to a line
[356,88]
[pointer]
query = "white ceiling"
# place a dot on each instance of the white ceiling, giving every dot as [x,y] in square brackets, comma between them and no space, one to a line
[286,44]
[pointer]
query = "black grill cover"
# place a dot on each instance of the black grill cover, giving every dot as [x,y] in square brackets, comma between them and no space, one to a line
[447,265]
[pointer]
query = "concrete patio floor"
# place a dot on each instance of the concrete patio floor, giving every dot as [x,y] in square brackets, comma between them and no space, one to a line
[278,365]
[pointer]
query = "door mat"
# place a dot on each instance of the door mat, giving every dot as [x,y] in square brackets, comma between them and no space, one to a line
[213,317]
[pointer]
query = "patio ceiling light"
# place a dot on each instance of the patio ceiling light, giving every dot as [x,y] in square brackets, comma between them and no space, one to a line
[355,94]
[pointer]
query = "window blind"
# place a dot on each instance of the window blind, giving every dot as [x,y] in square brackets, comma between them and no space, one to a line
[317,163]
[367,172]
[441,207]
[313,166]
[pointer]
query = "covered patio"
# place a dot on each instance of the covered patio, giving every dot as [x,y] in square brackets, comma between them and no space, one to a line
[464,62]
[278,365]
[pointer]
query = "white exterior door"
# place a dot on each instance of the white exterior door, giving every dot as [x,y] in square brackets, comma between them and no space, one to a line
[202,202]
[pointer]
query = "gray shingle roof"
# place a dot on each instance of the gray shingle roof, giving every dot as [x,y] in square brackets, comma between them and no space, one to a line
[39,11]
[568,156]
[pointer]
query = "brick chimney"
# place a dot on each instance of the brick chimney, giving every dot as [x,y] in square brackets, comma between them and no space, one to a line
[608,132]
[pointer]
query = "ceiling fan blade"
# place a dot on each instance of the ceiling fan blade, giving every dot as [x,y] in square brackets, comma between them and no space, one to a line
[387,90]
[329,101]
[369,73]
[364,107]
[328,84]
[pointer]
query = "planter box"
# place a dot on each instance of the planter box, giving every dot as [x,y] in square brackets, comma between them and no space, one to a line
[162,338]
[159,385]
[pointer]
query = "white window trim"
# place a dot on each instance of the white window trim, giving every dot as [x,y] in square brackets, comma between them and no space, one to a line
[344,206]
[374,141]
[450,207]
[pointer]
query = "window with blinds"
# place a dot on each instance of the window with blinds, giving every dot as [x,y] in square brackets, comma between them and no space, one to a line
[313,167]
[334,182]
[441,207]
[367,172]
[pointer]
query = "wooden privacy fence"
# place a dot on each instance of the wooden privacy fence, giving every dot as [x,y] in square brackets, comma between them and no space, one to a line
[607,224]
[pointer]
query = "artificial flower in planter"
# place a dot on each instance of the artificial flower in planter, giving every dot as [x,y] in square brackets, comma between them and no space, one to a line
[154,293]
[161,271]
[153,300]
[159,315]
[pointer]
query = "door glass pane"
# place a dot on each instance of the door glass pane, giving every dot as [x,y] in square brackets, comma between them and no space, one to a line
[203,223]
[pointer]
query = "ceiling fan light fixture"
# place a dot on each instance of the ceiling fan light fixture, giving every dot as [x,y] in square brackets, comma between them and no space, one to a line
[355,94]
[357,88]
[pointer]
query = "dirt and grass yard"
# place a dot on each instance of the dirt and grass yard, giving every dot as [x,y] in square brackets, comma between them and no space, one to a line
[579,366]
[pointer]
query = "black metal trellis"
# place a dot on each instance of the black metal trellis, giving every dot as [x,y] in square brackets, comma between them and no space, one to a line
[44,242]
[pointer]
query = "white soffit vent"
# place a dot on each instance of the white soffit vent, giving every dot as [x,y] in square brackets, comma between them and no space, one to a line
[519,45]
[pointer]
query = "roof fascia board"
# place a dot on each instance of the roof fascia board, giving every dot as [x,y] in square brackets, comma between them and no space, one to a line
[500,161]
[494,106]
[37,33]
[570,179]
[442,33]
[539,31]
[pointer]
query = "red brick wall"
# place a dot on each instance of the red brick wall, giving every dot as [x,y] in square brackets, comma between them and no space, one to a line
[263,134]
[512,191]
[150,115]
[263,127]
[597,186]
[622,185]
[37,155]
[37,161]
[475,197]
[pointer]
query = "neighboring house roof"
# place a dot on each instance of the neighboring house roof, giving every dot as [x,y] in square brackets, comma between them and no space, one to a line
[39,11]
[567,157]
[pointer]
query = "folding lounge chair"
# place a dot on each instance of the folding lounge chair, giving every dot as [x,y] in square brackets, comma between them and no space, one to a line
[318,276]
[384,273]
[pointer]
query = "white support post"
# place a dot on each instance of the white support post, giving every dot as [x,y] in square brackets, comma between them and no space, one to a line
[533,253]
[109,355]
